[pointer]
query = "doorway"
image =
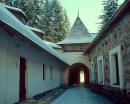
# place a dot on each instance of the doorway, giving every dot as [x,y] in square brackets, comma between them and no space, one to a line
[82,77]
[78,75]
[22,86]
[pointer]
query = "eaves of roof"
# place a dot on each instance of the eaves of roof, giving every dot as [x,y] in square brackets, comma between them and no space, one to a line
[15,10]
[35,29]
[10,20]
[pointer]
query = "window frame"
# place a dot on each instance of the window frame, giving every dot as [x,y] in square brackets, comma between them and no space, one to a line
[100,58]
[116,50]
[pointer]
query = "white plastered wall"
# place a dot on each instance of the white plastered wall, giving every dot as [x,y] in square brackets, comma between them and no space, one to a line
[77,57]
[9,71]
[11,49]
[92,76]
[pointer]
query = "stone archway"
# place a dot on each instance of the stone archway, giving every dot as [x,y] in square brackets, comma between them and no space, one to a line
[74,74]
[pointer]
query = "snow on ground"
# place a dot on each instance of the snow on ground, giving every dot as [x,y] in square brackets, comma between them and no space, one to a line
[80,95]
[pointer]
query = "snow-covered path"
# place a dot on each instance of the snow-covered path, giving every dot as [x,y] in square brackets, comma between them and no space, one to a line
[80,96]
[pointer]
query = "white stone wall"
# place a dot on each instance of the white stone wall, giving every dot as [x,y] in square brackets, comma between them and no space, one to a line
[11,49]
[9,71]
[36,84]
[3,71]
[76,57]
[59,50]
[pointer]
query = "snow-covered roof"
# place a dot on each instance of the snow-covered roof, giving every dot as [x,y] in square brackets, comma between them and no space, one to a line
[53,45]
[77,34]
[9,19]
[35,29]
[15,9]
[93,35]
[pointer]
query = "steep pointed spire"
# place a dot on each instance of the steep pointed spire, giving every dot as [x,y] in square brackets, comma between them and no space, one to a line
[78,33]
[79,27]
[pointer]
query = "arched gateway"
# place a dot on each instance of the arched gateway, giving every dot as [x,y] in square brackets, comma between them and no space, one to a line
[78,74]
[73,49]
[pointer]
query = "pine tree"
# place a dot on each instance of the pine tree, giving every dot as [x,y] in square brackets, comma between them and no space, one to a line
[9,2]
[46,23]
[55,22]
[47,15]
[66,23]
[32,9]
[58,20]
[110,7]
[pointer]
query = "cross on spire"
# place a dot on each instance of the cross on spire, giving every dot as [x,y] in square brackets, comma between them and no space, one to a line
[78,12]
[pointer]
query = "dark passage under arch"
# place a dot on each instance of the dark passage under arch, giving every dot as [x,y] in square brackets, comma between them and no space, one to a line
[74,74]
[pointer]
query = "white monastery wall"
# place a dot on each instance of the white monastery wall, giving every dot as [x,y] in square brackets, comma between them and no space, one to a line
[76,57]
[10,54]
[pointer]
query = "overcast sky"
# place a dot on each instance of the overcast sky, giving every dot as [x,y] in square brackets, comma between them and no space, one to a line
[89,11]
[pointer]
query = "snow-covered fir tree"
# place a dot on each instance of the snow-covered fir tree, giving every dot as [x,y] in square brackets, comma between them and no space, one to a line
[32,9]
[58,20]
[110,7]
[47,15]
[46,23]
[54,22]
[9,2]
[66,23]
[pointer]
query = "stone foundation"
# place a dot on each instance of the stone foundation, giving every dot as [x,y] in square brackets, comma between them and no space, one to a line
[116,95]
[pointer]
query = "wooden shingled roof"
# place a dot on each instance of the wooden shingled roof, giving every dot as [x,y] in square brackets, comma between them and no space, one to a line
[78,34]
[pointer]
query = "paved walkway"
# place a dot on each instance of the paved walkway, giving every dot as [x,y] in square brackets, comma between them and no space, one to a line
[80,96]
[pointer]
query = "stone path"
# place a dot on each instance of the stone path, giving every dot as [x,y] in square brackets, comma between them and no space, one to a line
[80,95]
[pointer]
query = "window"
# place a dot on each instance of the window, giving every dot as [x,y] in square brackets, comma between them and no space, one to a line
[43,69]
[51,72]
[92,72]
[100,69]
[75,47]
[115,67]
[81,47]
